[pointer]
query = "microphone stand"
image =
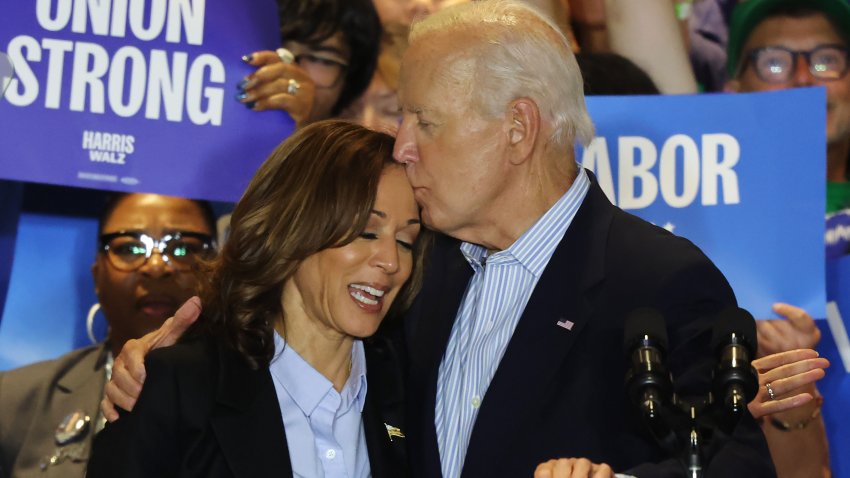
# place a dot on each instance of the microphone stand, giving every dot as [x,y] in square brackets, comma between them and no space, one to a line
[694,447]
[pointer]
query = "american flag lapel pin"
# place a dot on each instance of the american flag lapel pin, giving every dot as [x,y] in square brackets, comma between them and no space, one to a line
[393,431]
[566,324]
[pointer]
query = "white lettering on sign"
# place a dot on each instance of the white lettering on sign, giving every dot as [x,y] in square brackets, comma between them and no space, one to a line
[684,170]
[85,76]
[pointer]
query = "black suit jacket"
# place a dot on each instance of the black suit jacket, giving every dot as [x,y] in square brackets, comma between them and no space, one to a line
[559,392]
[204,413]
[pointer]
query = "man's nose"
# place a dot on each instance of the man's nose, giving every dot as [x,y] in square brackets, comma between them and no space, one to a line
[404,150]
[802,74]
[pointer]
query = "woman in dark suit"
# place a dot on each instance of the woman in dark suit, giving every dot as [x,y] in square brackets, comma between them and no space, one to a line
[271,381]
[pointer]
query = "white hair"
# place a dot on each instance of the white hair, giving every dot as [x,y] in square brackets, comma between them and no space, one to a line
[519,53]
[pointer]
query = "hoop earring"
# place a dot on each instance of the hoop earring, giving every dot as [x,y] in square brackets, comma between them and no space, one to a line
[90,322]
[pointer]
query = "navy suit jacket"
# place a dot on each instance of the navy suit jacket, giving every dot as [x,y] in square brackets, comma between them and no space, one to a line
[559,392]
[204,413]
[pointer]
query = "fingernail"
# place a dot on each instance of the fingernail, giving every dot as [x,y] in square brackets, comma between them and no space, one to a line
[242,85]
[241,96]
[247,58]
[250,105]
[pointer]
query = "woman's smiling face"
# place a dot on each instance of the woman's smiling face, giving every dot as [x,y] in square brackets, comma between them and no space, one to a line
[349,289]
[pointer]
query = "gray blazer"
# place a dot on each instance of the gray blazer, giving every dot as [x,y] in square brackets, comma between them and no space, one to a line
[35,399]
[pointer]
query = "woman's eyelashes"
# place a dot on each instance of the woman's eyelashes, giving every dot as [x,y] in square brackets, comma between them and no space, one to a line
[374,235]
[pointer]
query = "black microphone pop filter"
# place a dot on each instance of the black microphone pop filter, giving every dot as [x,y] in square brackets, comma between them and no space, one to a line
[641,323]
[734,341]
[738,323]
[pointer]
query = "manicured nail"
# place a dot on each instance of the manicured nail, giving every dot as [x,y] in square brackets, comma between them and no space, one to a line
[250,105]
[241,96]
[242,85]
[247,58]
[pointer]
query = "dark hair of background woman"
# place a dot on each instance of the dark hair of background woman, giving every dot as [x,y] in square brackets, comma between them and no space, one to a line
[314,21]
[316,191]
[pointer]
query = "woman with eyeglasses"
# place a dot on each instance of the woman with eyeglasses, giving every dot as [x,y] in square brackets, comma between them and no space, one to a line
[325,61]
[143,271]
[272,379]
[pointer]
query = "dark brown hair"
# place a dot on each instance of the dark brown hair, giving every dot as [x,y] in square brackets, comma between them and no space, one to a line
[314,192]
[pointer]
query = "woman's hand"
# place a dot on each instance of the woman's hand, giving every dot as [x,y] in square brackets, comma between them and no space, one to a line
[791,376]
[278,86]
[796,331]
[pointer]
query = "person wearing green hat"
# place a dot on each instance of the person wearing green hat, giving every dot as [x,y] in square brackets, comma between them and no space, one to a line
[779,44]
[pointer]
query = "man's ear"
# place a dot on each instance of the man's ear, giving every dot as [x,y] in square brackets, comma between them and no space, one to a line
[523,128]
[732,86]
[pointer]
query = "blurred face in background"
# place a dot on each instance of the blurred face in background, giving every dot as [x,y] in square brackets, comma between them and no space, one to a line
[326,63]
[804,34]
[405,11]
[138,301]
[377,109]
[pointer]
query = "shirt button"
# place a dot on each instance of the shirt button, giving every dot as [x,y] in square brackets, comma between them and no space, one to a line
[330,454]
[476,401]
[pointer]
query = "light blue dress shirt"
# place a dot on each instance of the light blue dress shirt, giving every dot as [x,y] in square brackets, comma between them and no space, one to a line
[491,308]
[324,428]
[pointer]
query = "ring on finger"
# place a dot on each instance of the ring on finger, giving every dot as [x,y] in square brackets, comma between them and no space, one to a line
[292,87]
[285,55]
[770,391]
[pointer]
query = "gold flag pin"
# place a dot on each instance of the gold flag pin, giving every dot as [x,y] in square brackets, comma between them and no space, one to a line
[393,431]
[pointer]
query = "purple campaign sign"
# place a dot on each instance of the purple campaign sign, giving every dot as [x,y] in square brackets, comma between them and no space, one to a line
[740,175]
[136,95]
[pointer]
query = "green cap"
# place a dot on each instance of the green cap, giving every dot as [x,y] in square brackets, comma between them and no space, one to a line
[749,13]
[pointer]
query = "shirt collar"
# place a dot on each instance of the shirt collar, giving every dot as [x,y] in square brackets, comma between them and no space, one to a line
[308,387]
[535,246]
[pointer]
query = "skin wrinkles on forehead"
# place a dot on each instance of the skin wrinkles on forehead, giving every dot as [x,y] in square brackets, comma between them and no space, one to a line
[453,73]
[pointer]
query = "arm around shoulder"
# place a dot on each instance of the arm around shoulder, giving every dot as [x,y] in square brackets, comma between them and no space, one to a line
[144,442]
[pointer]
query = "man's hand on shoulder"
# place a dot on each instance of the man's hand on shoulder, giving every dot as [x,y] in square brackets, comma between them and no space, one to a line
[128,368]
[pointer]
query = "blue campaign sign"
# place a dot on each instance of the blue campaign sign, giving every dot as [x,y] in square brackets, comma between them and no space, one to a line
[740,175]
[136,95]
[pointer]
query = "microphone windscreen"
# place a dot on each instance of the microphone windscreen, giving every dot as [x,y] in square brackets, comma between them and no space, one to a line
[738,321]
[641,322]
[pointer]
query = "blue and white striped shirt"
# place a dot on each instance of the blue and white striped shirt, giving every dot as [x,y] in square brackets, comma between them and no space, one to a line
[494,301]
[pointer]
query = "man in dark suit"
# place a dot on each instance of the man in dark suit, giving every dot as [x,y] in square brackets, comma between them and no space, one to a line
[514,343]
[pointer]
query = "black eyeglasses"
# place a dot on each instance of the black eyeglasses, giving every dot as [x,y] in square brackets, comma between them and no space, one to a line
[127,250]
[776,64]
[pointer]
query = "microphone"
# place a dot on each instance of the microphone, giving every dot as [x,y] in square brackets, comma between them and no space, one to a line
[645,342]
[734,341]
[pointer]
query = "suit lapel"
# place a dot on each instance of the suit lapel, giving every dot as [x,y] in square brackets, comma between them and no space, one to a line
[79,388]
[539,345]
[246,420]
[384,407]
[440,301]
